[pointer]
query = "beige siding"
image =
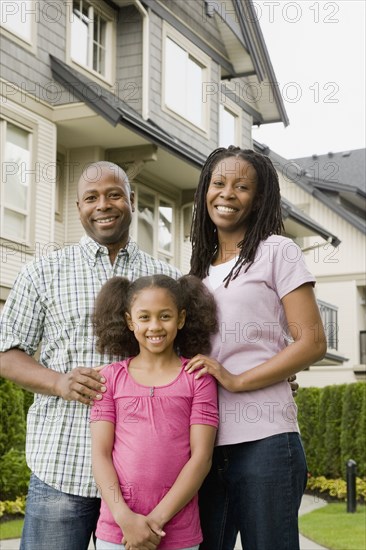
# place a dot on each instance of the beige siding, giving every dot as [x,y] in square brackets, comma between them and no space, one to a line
[59,233]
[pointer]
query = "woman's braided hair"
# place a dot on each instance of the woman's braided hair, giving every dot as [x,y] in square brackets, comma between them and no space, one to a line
[265,220]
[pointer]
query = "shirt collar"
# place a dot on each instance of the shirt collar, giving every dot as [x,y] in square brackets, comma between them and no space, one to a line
[92,249]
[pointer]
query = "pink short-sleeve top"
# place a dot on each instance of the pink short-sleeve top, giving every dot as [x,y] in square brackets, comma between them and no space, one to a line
[152,444]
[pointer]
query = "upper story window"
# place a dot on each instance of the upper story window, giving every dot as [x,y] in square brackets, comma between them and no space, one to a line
[92,37]
[15,181]
[154,226]
[18,17]
[229,125]
[186,70]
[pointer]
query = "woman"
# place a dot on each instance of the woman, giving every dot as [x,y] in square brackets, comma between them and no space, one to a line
[270,328]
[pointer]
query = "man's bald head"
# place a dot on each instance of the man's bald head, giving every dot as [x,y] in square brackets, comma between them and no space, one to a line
[94,171]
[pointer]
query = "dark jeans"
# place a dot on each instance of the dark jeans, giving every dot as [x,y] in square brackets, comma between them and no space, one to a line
[254,489]
[56,520]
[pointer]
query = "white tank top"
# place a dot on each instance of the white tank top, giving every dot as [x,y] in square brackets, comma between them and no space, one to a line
[217,273]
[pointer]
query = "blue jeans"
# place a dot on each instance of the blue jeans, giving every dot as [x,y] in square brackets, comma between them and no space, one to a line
[56,520]
[254,489]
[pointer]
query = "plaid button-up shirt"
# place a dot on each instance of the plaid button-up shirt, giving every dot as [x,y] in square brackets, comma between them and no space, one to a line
[51,304]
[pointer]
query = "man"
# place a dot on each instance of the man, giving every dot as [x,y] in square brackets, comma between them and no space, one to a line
[51,304]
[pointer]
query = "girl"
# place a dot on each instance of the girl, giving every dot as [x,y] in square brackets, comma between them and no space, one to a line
[153,432]
[270,329]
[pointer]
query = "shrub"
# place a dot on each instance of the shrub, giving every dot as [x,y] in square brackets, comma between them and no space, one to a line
[13,507]
[330,464]
[12,418]
[14,475]
[336,488]
[361,438]
[308,414]
[352,439]
[28,399]
[332,422]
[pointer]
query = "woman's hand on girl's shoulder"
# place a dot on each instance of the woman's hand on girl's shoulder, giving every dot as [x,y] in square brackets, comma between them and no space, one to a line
[208,365]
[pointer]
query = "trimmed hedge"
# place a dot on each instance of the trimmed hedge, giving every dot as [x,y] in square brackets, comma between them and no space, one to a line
[12,427]
[351,424]
[307,401]
[332,422]
[14,473]
[333,428]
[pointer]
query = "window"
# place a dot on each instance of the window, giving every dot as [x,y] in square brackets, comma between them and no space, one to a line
[15,190]
[227,134]
[363,347]
[329,315]
[186,69]
[91,41]
[165,241]
[155,218]
[19,18]
[229,125]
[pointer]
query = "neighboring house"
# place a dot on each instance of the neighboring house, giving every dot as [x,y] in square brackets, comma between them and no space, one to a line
[153,85]
[331,189]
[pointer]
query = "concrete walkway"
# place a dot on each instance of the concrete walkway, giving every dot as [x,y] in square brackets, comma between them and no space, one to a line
[308,504]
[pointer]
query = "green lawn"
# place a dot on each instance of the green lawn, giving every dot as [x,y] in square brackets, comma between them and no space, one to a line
[330,526]
[334,528]
[11,529]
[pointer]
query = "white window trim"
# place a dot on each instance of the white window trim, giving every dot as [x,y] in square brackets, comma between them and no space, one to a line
[30,127]
[108,13]
[60,185]
[235,110]
[204,60]
[157,252]
[31,44]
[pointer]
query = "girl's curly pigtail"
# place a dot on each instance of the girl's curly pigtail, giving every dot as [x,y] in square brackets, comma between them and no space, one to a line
[201,317]
[109,322]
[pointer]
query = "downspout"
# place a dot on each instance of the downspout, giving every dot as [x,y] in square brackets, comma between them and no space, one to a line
[145,59]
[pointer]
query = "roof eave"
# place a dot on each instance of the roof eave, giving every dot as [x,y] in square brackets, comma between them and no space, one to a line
[84,90]
[306,184]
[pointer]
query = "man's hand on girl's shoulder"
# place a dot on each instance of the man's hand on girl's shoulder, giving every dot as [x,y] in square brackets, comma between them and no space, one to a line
[83,384]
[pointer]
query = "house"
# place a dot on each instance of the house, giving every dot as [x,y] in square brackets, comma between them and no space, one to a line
[152,85]
[331,188]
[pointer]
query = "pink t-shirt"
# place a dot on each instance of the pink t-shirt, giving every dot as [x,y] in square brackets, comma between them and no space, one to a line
[152,444]
[252,330]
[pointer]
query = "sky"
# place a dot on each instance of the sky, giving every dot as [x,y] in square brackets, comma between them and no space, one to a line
[317,49]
